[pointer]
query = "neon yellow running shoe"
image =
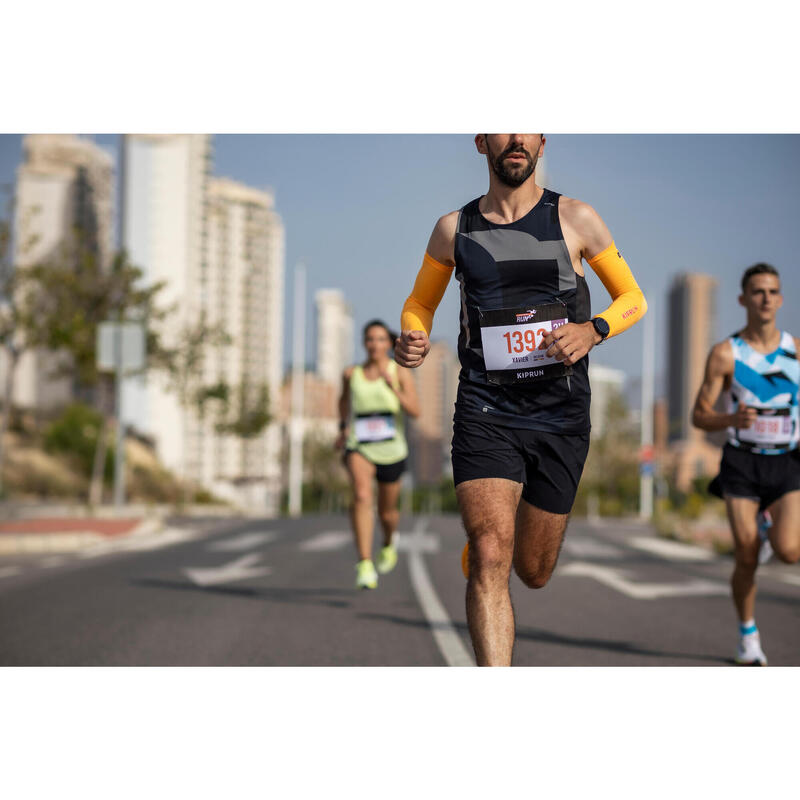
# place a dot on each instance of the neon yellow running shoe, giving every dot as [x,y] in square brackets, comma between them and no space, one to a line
[366,577]
[387,559]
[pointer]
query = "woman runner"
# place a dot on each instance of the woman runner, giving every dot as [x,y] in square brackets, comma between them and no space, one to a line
[375,397]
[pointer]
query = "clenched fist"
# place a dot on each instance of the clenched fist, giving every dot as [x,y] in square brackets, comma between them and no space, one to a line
[744,417]
[410,348]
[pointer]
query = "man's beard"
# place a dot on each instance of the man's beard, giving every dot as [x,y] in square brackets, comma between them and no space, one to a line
[519,175]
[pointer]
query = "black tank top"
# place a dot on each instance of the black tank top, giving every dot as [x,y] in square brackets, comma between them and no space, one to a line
[520,264]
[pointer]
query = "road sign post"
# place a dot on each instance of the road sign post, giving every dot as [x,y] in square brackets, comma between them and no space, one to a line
[120,349]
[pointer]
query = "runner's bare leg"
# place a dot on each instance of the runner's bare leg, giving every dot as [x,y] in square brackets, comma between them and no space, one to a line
[488,509]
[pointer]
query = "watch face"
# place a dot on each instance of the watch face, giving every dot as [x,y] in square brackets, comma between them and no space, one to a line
[601,326]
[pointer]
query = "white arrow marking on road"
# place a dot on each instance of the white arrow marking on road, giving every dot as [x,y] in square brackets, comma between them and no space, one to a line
[327,540]
[238,570]
[244,541]
[674,551]
[7,572]
[642,591]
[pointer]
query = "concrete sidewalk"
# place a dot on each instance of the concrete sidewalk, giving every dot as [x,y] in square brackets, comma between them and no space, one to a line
[68,534]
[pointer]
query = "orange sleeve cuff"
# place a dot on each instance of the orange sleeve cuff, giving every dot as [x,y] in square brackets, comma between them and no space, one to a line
[429,288]
[628,304]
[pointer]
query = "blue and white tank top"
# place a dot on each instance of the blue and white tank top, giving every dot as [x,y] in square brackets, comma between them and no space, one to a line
[770,383]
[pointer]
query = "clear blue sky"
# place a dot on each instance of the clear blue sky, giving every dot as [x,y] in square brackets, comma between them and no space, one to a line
[358,211]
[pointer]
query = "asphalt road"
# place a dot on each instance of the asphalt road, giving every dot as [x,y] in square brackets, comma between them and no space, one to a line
[280,592]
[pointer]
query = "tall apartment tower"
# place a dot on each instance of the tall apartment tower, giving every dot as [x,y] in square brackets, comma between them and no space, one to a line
[165,180]
[692,327]
[64,184]
[432,431]
[690,336]
[243,293]
[335,335]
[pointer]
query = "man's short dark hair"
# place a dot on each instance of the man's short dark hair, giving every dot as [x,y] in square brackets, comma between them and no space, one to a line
[758,269]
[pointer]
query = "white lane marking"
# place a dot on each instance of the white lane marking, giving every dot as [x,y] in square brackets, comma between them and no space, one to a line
[673,551]
[52,561]
[244,541]
[586,547]
[794,580]
[7,572]
[327,540]
[642,591]
[238,570]
[445,635]
[421,542]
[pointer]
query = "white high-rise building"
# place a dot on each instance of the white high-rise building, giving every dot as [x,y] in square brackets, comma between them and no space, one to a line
[65,184]
[243,294]
[606,384]
[335,335]
[164,232]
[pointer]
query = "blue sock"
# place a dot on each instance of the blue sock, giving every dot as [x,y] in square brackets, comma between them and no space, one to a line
[748,626]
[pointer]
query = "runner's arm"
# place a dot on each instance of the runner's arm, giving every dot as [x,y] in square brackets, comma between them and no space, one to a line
[628,304]
[344,407]
[718,367]
[406,392]
[416,319]
[433,277]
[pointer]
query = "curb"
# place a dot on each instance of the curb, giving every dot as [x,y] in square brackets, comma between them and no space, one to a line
[75,540]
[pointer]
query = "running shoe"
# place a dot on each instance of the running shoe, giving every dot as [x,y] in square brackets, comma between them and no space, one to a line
[749,652]
[465,560]
[366,577]
[764,521]
[387,559]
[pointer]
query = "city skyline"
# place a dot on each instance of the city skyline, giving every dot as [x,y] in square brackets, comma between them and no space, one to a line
[673,204]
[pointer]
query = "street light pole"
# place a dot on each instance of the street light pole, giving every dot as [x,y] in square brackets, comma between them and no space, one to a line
[296,417]
[648,389]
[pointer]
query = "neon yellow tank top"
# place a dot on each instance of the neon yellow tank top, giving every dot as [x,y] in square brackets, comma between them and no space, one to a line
[376,418]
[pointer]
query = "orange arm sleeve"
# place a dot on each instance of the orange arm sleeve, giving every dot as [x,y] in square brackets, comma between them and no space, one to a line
[424,299]
[628,302]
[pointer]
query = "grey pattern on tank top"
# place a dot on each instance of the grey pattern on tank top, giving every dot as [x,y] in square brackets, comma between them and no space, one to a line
[513,245]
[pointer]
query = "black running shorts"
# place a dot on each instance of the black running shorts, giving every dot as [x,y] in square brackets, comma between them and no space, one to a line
[385,473]
[763,478]
[548,465]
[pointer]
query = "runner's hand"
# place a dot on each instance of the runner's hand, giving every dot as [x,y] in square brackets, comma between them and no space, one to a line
[744,416]
[571,342]
[340,440]
[411,348]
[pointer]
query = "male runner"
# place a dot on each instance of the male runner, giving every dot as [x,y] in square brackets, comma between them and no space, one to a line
[521,424]
[758,369]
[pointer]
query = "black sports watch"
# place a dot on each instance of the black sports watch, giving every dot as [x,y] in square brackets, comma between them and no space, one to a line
[601,326]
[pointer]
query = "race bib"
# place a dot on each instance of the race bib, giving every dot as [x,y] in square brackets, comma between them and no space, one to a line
[771,429]
[511,338]
[375,428]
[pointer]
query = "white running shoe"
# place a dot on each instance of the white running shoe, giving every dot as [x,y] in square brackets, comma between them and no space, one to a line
[749,652]
[764,521]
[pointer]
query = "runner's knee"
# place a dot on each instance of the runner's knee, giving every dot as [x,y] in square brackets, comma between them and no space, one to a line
[789,554]
[534,578]
[489,555]
[362,493]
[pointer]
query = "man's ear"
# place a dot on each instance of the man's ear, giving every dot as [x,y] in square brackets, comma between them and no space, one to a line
[480,143]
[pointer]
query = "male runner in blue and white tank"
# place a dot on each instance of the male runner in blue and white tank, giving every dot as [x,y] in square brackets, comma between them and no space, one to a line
[759,371]
[521,424]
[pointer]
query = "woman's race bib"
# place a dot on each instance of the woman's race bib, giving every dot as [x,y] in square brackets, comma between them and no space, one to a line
[375,428]
[511,337]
